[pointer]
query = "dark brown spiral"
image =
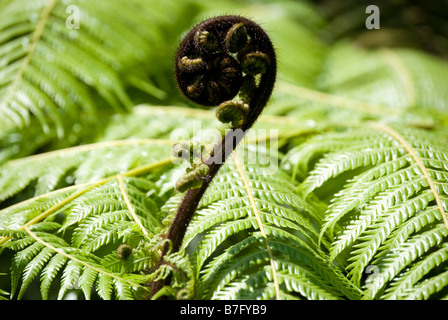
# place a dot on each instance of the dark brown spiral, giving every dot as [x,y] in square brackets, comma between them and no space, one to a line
[216,54]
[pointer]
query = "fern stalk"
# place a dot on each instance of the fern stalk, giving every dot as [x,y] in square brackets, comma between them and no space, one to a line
[259,98]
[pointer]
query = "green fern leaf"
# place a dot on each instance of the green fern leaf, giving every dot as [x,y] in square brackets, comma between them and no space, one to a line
[105,286]
[244,199]
[396,261]
[425,289]
[20,262]
[50,272]
[70,277]
[35,51]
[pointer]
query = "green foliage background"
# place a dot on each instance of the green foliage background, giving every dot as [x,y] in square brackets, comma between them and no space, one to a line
[356,209]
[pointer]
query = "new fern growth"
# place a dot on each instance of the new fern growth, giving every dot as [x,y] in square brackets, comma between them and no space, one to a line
[217,60]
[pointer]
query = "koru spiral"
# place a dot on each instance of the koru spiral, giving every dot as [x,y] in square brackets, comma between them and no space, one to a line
[223,57]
